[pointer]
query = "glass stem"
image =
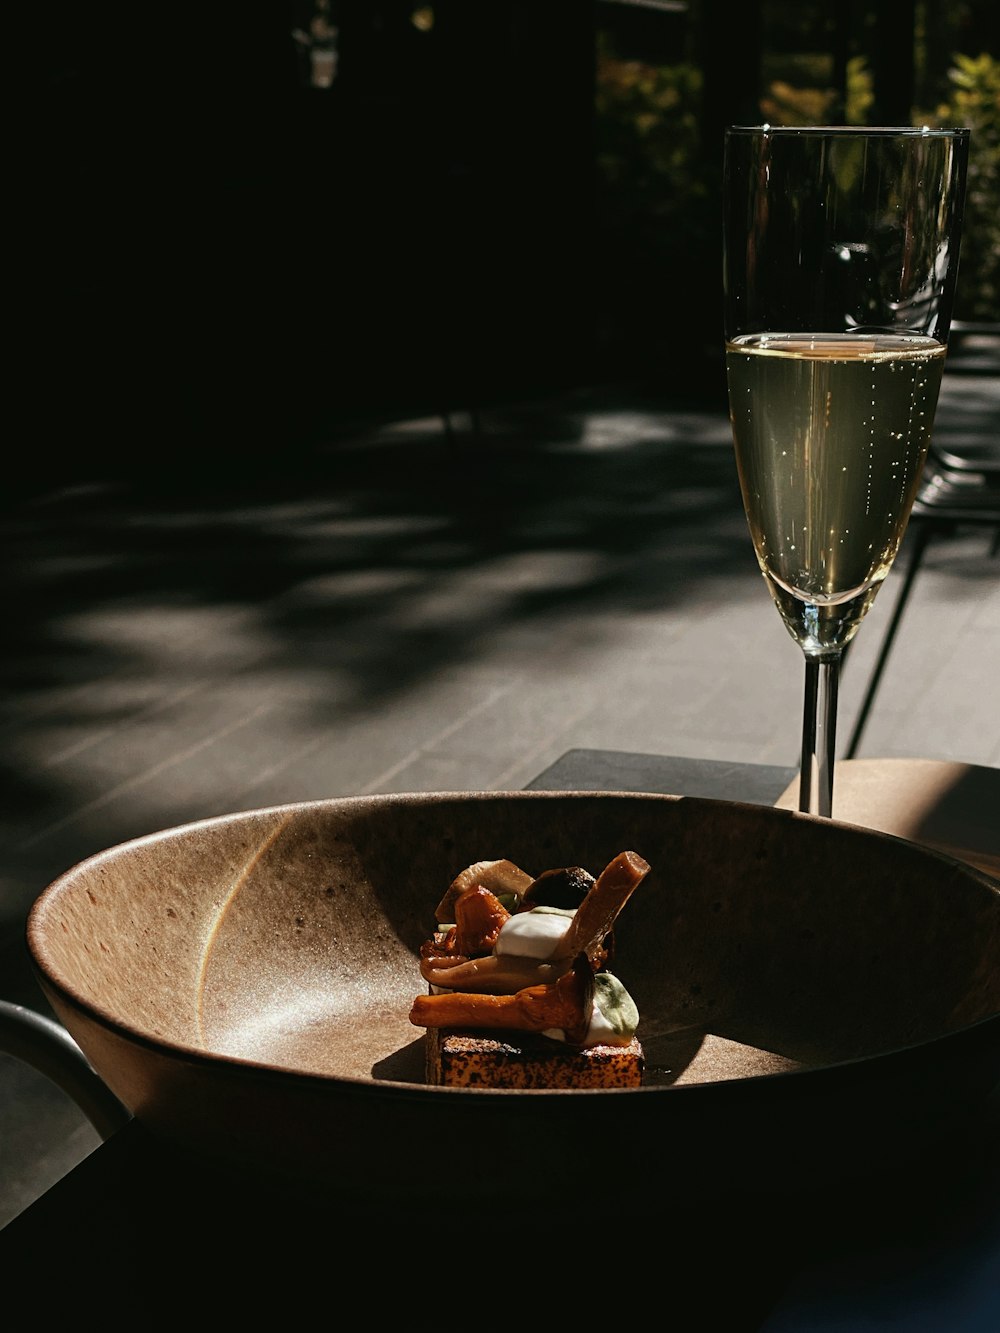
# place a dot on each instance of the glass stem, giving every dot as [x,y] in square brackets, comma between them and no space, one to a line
[819,735]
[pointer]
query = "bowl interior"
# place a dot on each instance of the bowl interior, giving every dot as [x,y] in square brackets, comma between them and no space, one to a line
[762,940]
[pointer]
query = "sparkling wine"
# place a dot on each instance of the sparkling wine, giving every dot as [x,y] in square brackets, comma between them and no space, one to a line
[831,433]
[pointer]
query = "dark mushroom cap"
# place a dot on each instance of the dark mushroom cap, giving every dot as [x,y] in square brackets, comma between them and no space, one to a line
[565,888]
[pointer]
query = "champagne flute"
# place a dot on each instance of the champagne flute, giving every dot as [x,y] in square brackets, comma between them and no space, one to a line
[840,257]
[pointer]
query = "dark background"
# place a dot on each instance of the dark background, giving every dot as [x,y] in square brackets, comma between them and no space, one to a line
[220,258]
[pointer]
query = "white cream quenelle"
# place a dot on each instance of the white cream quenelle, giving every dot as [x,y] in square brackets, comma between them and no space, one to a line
[537,934]
[515,965]
[534,934]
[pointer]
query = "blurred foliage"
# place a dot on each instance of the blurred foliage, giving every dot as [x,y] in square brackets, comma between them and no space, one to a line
[801,95]
[974,101]
[656,200]
[647,141]
[859,91]
[657,214]
[971,98]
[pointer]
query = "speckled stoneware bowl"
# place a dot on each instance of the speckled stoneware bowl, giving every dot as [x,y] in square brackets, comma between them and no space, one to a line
[812,995]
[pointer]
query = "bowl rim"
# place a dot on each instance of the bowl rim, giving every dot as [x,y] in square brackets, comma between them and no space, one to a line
[61,994]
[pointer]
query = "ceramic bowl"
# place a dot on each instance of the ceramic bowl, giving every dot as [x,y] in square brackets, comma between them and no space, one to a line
[812,995]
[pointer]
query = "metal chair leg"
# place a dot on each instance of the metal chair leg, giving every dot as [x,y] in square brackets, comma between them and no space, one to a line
[922,537]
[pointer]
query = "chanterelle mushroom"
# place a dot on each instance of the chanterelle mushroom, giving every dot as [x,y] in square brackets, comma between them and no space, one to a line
[547,985]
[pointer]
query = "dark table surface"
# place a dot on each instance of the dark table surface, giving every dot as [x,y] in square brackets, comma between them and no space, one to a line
[917,1249]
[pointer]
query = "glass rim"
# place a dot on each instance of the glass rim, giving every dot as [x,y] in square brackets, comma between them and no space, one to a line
[857,131]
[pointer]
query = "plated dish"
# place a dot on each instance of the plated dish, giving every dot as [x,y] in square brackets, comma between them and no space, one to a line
[520,991]
[811,995]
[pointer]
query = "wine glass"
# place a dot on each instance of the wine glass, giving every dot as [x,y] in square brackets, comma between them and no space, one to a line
[840,256]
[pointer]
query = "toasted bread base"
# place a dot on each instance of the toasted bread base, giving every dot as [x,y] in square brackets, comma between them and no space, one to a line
[517,1060]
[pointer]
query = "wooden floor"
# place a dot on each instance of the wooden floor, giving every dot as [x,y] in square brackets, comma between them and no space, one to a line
[415,608]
